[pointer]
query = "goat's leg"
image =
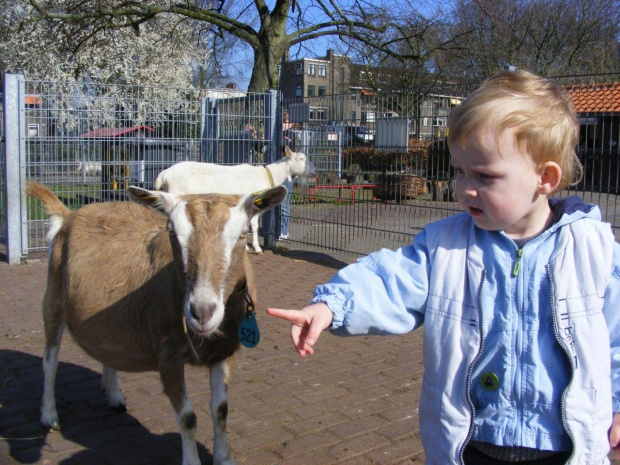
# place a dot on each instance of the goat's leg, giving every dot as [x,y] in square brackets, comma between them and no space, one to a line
[54,325]
[109,384]
[219,380]
[255,246]
[173,379]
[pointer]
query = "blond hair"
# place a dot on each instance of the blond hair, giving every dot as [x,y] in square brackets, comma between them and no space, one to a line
[537,109]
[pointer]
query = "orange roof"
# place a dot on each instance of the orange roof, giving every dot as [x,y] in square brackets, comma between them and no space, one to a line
[595,98]
[32,100]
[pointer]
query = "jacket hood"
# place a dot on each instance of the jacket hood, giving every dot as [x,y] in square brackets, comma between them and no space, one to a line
[571,209]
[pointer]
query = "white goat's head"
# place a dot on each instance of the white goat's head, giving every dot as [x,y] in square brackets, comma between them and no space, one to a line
[299,164]
[208,237]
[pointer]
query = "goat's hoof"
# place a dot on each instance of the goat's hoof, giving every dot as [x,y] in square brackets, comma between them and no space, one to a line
[120,408]
[50,424]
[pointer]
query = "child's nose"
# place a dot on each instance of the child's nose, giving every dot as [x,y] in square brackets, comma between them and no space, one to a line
[465,187]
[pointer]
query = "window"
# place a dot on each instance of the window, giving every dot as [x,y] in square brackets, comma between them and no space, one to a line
[322,70]
[317,113]
[353,116]
[439,121]
[298,92]
[310,90]
[299,70]
[311,69]
[368,116]
[33,130]
[321,91]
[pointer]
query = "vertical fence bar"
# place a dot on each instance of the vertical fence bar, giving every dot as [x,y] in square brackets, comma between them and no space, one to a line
[273,131]
[209,131]
[14,175]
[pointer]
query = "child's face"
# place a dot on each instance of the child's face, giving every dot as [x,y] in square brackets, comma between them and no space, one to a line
[498,184]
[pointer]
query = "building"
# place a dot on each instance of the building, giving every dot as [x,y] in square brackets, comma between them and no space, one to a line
[332,91]
[323,83]
[598,109]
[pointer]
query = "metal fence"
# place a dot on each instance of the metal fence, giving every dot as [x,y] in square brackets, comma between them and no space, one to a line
[389,173]
[383,162]
[89,142]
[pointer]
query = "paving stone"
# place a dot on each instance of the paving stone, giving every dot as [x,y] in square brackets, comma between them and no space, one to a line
[354,403]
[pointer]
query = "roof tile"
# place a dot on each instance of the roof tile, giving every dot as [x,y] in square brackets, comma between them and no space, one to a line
[595,98]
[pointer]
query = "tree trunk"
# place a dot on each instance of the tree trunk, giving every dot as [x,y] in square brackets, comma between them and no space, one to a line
[271,44]
[265,71]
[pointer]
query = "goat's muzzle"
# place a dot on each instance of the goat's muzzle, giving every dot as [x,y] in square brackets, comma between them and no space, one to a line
[204,318]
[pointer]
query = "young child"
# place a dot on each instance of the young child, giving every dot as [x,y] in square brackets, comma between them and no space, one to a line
[519,295]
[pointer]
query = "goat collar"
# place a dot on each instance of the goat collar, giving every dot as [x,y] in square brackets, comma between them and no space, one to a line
[270,176]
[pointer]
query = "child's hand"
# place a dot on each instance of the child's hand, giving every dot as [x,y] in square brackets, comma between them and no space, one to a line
[306,325]
[614,434]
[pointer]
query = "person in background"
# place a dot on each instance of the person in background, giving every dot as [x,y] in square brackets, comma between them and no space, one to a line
[518,296]
[285,206]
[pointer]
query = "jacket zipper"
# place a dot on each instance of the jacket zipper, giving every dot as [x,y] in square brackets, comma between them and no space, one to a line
[567,353]
[470,372]
[515,269]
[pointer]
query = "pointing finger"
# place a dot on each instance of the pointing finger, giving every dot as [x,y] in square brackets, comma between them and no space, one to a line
[294,316]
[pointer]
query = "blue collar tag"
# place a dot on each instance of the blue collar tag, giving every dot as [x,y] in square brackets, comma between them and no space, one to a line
[249,335]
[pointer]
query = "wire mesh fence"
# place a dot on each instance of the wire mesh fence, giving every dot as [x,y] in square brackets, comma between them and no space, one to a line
[389,166]
[383,162]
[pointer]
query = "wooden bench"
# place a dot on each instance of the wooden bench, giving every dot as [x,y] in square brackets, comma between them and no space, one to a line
[313,190]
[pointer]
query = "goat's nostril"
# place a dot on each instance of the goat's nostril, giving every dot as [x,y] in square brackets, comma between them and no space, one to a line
[202,313]
[192,311]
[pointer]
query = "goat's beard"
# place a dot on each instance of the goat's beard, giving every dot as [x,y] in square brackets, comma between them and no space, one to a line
[303,183]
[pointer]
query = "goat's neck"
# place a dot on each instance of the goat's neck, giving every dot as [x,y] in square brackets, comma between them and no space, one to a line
[280,172]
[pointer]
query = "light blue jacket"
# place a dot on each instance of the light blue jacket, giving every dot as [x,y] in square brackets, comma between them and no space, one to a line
[559,370]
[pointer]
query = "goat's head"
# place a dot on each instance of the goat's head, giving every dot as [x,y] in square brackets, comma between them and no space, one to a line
[208,237]
[299,164]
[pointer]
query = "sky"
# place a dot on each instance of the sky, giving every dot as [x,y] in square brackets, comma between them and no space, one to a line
[243,61]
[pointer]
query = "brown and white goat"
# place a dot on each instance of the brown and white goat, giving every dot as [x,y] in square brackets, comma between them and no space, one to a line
[152,288]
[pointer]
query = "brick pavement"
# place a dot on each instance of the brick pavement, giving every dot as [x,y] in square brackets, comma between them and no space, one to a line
[355,402]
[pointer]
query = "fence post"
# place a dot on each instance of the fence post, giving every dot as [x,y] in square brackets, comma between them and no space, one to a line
[209,132]
[273,131]
[15,175]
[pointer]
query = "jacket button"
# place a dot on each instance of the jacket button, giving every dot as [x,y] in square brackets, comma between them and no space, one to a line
[489,381]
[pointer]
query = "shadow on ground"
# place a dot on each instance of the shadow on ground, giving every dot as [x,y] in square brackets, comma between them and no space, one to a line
[99,435]
[317,258]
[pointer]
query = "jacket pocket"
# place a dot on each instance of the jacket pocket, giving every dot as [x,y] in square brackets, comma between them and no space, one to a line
[430,409]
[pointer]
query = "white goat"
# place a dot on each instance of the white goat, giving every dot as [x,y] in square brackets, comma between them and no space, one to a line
[190,177]
[152,289]
[89,167]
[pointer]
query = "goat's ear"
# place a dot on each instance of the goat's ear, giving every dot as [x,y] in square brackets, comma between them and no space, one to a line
[156,200]
[287,151]
[264,200]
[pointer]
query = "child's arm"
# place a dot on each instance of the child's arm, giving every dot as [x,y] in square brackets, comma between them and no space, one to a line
[614,434]
[612,315]
[306,325]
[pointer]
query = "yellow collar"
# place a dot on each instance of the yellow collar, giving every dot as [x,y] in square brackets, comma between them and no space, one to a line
[270,177]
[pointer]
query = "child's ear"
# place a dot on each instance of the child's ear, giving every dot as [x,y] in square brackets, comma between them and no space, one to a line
[550,178]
